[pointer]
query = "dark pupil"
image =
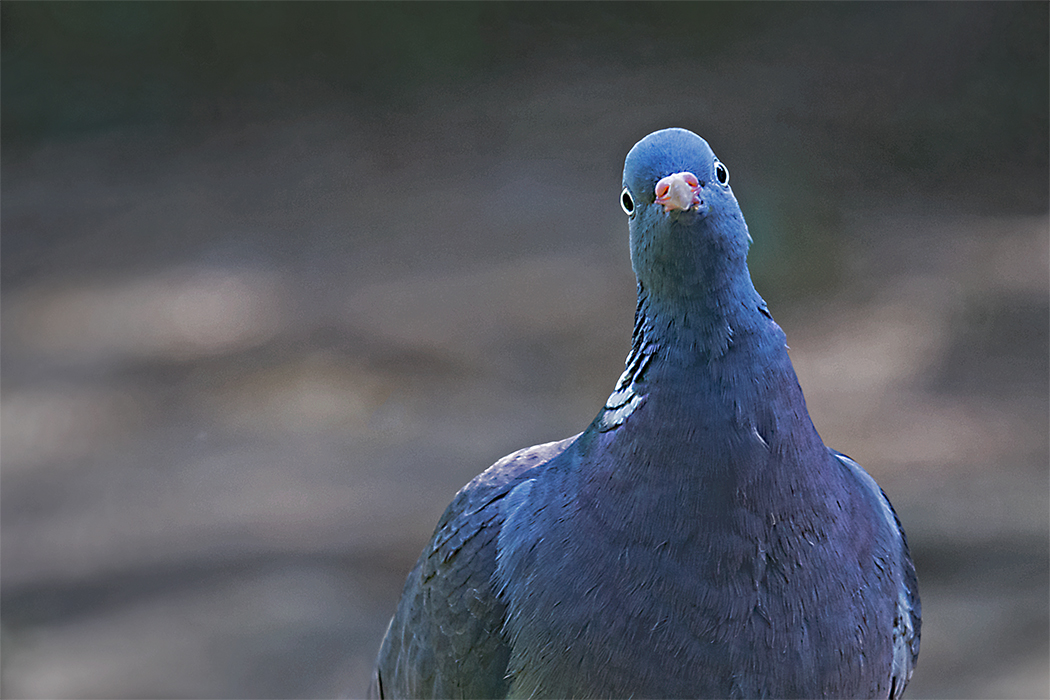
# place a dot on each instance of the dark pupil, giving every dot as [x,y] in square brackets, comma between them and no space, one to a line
[720,172]
[627,203]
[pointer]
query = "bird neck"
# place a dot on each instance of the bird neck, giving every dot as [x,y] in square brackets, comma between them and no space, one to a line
[681,342]
[707,378]
[697,323]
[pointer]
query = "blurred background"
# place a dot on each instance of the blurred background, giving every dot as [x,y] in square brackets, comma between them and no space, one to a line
[278,279]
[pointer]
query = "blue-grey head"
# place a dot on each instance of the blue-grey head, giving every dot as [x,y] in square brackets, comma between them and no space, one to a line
[688,236]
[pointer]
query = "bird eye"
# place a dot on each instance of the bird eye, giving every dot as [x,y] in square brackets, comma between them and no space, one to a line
[626,202]
[722,173]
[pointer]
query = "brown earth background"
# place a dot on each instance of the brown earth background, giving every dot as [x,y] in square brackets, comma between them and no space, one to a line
[278,279]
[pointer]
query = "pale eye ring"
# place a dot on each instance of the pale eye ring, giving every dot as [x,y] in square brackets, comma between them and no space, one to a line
[627,202]
[721,173]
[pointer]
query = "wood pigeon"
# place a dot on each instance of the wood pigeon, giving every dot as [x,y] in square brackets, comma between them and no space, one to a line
[698,539]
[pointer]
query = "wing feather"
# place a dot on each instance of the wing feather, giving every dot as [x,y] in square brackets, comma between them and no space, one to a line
[907,621]
[446,639]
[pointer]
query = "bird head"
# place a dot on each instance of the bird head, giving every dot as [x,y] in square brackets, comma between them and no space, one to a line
[686,226]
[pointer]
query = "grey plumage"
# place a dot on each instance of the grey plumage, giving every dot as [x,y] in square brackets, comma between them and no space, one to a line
[697,539]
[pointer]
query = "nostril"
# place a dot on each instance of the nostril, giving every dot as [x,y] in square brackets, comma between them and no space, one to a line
[662,188]
[691,180]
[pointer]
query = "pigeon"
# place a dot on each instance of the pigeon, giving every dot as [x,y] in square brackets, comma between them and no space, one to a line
[698,539]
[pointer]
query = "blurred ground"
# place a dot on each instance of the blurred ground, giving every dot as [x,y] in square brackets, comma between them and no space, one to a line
[251,350]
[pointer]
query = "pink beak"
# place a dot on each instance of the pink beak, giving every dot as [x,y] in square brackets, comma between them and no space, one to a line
[680,191]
